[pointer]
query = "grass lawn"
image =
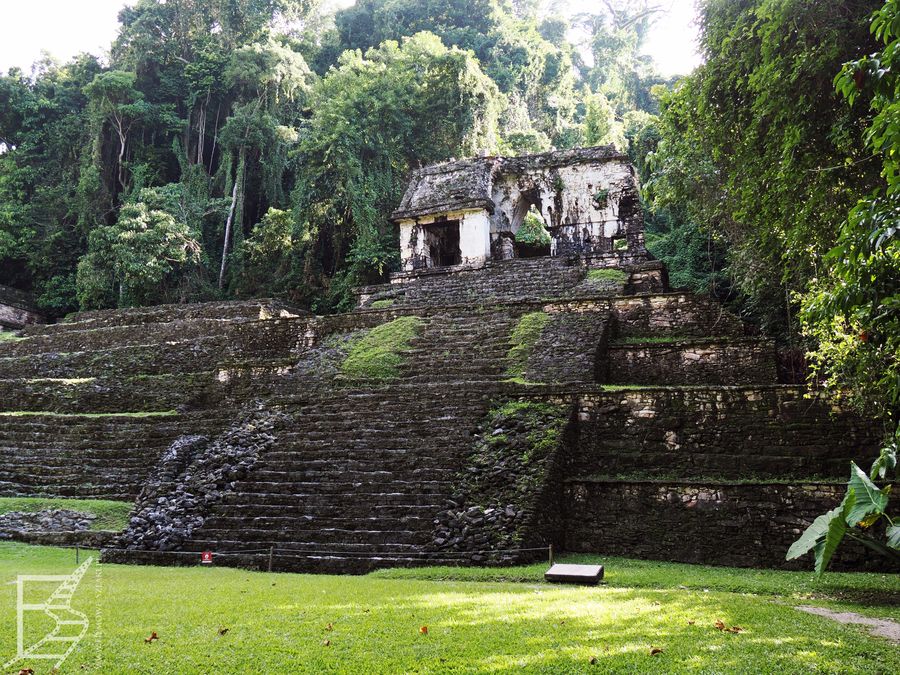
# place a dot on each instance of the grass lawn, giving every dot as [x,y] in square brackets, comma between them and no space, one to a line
[287,623]
[110,515]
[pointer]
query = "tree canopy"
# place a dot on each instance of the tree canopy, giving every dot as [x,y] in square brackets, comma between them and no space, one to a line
[278,135]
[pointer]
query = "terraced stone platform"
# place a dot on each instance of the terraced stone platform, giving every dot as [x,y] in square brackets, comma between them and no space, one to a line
[535,401]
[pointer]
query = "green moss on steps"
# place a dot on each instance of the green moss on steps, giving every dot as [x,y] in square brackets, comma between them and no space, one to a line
[110,515]
[382,304]
[608,275]
[378,354]
[660,340]
[9,336]
[522,340]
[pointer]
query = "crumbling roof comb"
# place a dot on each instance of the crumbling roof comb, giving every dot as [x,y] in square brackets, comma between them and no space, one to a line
[467,183]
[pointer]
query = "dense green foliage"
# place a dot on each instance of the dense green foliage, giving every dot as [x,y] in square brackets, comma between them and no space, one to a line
[237,148]
[757,149]
[754,165]
[853,312]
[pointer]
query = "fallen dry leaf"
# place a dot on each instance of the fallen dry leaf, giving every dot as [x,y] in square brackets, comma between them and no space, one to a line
[223,630]
[26,671]
[423,630]
[691,622]
[720,625]
[593,661]
[329,627]
[153,637]
[655,650]
[326,643]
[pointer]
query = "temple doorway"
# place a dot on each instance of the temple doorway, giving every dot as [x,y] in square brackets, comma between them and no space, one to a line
[532,236]
[442,240]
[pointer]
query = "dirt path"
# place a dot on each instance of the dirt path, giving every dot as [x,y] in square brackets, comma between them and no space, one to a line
[882,627]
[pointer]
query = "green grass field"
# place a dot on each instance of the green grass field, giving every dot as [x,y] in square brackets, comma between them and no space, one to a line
[110,515]
[478,621]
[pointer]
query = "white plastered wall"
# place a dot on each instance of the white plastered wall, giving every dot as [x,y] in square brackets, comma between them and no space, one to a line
[474,237]
[578,185]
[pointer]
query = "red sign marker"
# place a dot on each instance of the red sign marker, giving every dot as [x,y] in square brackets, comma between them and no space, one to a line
[206,557]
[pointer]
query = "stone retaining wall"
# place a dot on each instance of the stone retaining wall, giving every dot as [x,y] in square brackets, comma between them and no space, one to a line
[741,432]
[698,361]
[677,314]
[744,525]
[17,309]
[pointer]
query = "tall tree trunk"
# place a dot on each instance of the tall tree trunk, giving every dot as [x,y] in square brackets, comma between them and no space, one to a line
[122,140]
[237,201]
[228,225]
[212,154]
[201,133]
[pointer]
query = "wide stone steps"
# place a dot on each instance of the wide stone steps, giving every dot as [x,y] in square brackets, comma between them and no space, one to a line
[160,358]
[64,458]
[295,509]
[82,489]
[513,279]
[350,499]
[397,437]
[299,472]
[373,460]
[369,542]
[107,395]
[229,310]
[343,488]
[315,523]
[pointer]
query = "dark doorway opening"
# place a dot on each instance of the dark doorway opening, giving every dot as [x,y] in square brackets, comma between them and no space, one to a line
[443,243]
[532,237]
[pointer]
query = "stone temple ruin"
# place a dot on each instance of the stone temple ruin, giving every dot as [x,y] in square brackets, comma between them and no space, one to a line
[17,309]
[475,409]
[468,212]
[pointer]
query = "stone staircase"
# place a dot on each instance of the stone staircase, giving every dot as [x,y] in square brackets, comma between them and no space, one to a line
[363,474]
[669,402]
[87,457]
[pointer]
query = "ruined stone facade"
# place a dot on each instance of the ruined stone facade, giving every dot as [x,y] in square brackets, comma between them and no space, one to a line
[468,212]
[549,400]
[17,309]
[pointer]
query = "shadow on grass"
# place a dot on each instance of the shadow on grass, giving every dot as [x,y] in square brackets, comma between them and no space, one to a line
[862,587]
[282,622]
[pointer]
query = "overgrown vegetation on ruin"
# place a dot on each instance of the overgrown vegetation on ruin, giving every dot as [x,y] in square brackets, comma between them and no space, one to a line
[522,341]
[379,353]
[610,275]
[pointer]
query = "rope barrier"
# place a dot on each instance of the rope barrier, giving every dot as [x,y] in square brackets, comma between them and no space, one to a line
[301,553]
